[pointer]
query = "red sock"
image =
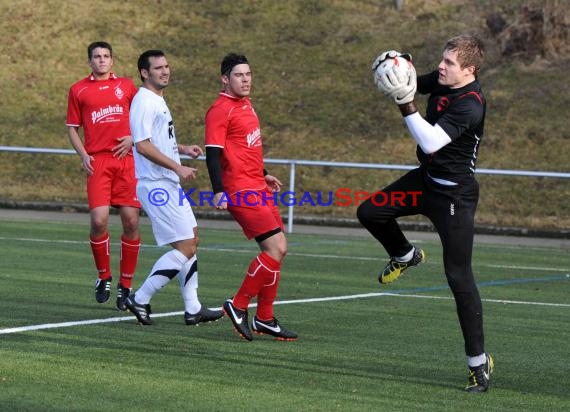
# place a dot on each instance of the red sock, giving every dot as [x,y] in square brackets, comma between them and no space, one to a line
[129,258]
[261,268]
[267,296]
[100,247]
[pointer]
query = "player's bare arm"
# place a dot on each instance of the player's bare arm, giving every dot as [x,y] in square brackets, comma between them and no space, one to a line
[193,150]
[151,152]
[186,173]
[77,144]
[123,146]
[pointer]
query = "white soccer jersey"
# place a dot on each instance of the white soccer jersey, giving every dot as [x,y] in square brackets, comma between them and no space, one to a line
[151,119]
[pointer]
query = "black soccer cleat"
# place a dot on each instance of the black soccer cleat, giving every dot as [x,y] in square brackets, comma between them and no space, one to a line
[103,290]
[239,319]
[204,315]
[394,269]
[142,312]
[479,376]
[122,295]
[273,328]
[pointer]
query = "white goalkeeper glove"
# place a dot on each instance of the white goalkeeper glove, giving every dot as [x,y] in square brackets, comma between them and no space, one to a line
[406,93]
[395,76]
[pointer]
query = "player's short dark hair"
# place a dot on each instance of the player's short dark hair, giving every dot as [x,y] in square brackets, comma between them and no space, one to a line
[144,59]
[230,61]
[96,44]
[470,51]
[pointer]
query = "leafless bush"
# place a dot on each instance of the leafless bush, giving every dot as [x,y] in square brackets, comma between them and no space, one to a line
[539,29]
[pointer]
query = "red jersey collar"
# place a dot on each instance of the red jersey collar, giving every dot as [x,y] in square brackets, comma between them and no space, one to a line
[113,76]
[229,96]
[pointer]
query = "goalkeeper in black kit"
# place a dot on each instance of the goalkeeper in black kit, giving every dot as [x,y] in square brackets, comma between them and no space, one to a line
[448,141]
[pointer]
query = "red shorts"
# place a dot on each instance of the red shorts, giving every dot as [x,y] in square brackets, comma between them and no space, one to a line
[113,182]
[255,211]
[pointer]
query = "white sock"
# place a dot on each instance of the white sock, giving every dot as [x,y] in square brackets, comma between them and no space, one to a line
[165,268]
[407,257]
[474,361]
[188,279]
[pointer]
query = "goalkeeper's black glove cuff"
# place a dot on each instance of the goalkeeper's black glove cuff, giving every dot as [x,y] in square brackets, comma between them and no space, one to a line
[408,108]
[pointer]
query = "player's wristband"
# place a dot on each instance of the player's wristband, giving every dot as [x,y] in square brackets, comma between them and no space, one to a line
[408,108]
[265,172]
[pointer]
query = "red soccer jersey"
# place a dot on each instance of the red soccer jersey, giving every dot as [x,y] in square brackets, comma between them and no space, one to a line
[101,107]
[232,124]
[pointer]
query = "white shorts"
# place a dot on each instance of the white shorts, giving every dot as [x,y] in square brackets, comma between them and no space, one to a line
[170,213]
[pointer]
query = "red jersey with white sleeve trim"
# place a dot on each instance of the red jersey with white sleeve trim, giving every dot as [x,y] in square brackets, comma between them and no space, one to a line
[101,107]
[233,125]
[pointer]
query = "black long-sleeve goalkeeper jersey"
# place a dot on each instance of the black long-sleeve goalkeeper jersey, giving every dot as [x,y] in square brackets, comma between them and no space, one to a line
[461,114]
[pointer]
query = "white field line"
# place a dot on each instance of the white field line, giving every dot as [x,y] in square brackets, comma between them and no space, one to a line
[283,302]
[315,255]
[325,299]
[403,295]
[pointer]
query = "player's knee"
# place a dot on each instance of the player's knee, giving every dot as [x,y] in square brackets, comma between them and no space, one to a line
[98,225]
[191,247]
[462,284]
[278,251]
[196,237]
[187,247]
[188,250]
[282,251]
[363,213]
[131,227]
[282,246]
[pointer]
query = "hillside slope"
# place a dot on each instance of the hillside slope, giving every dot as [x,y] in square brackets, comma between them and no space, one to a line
[312,86]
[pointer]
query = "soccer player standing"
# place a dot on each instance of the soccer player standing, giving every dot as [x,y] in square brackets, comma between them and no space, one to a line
[159,171]
[100,105]
[448,141]
[234,156]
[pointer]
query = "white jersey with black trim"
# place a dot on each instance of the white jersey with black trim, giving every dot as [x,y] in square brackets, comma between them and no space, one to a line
[151,119]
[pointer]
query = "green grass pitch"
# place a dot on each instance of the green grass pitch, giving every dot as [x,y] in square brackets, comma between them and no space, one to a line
[362,346]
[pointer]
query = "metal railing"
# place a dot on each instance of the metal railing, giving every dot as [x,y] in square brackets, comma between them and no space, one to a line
[293,163]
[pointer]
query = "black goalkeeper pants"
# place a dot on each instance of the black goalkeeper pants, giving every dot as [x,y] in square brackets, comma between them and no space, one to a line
[451,209]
